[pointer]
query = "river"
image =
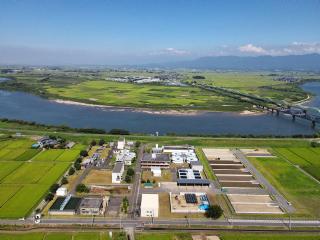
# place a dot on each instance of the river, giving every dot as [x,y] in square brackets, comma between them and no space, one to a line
[20,105]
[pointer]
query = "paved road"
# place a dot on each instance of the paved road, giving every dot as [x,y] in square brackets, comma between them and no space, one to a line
[261,179]
[133,208]
[170,222]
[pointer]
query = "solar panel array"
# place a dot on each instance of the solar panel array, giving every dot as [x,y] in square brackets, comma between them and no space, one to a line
[191,198]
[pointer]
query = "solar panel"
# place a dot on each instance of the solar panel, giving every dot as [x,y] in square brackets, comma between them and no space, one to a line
[191,198]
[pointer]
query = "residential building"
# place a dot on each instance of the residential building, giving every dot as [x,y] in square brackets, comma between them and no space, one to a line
[117,172]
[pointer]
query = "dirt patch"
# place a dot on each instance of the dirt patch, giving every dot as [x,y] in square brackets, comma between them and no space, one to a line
[98,177]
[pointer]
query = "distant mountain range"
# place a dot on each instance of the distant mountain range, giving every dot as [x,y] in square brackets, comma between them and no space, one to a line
[308,62]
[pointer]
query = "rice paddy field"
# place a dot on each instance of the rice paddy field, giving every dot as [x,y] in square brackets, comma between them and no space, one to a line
[307,159]
[257,83]
[26,174]
[97,88]
[57,236]
[145,96]
[297,187]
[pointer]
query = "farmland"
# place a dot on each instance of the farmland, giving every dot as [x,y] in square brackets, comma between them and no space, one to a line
[144,96]
[298,188]
[97,88]
[26,175]
[256,83]
[306,158]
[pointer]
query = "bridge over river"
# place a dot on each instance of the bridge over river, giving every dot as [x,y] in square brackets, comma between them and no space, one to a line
[311,114]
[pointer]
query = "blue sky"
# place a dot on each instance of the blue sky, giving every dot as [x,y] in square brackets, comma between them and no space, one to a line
[136,31]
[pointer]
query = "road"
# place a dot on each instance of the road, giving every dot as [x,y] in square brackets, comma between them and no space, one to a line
[133,208]
[125,223]
[283,203]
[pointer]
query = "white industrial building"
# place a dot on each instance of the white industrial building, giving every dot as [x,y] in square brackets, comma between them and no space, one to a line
[125,156]
[117,172]
[179,154]
[150,205]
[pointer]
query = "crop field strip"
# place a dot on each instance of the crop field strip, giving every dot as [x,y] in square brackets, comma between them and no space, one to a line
[57,236]
[28,180]
[302,191]
[307,158]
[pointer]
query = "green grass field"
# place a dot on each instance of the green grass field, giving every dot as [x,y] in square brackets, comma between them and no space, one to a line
[307,158]
[256,83]
[57,236]
[7,168]
[50,155]
[146,96]
[26,175]
[152,236]
[298,188]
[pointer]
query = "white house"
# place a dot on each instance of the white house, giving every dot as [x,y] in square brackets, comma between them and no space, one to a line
[61,192]
[150,205]
[156,171]
[117,172]
[121,144]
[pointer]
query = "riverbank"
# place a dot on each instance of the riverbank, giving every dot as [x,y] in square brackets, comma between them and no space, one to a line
[152,111]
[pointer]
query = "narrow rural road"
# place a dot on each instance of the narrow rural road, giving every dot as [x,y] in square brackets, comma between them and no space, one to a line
[136,184]
[283,203]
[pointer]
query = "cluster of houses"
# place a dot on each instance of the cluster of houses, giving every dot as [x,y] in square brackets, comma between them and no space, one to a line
[94,159]
[52,142]
[124,157]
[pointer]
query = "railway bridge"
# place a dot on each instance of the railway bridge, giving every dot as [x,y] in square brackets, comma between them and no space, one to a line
[311,114]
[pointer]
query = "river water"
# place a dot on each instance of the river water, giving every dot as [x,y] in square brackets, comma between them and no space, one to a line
[24,106]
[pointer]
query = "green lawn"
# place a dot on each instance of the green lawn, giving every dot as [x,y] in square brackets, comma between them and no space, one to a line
[207,168]
[298,188]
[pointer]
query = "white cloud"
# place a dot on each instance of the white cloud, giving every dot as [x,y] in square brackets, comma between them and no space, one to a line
[250,48]
[171,51]
[295,48]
